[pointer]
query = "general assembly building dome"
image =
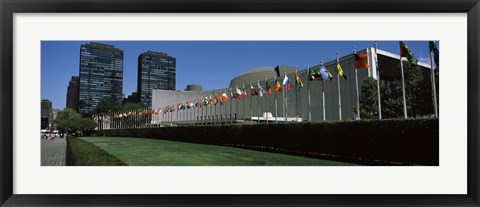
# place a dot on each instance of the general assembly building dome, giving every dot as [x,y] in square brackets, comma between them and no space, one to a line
[259,74]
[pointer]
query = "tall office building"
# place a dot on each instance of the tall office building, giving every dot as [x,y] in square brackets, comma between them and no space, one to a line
[156,70]
[73,92]
[46,114]
[101,75]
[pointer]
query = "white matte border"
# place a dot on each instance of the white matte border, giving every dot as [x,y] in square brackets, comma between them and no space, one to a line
[449,178]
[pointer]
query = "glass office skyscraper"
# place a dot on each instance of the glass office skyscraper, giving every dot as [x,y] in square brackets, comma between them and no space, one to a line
[72,93]
[101,75]
[156,70]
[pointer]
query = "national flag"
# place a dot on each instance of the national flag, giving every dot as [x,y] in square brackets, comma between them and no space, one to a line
[190,104]
[210,101]
[205,101]
[340,71]
[298,81]
[215,101]
[286,83]
[326,75]
[238,93]
[187,105]
[277,70]
[224,96]
[159,109]
[260,89]
[154,111]
[253,91]
[196,103]
[179,106]
[269,88]
[244,93]
[434,50]
[145,112]
[278,86]
[314,74]
[361,61]
[406,52]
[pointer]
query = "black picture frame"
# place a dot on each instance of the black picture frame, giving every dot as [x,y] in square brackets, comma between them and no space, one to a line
[10,7]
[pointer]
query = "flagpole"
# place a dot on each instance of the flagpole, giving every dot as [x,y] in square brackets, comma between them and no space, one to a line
[323,93]
[266,100]
[251,97]
[403,90]
[378,83]
[432,78]
[296,94]
[276,103]
[236,114]
[308,92]
[231,106]
[339,93]
[283,100]
[244,117]
[258,101]
[356,84]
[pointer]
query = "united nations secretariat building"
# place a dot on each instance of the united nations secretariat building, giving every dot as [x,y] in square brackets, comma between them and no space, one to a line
[289,106]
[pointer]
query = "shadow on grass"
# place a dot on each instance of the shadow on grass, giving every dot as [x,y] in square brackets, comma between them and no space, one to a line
[82,153]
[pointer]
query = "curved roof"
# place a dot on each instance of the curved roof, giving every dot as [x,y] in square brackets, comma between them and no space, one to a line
[259,74]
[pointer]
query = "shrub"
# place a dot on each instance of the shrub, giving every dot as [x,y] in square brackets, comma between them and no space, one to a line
[82,153]
[393,141]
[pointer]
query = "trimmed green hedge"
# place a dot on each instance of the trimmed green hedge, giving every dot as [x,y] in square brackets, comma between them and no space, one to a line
[82,153]
[393,141]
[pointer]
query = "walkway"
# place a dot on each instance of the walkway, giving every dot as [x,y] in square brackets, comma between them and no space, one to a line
[54,152]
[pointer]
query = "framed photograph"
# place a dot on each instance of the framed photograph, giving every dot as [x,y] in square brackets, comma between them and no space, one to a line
[239,103]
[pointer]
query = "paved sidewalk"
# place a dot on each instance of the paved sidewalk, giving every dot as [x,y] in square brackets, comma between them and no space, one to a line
[54,152]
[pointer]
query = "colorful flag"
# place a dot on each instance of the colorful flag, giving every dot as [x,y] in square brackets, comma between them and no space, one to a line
[269,88]
[260,89]
[224,96]
[298,81]
[205,101]
[238,93]
[244,92]
[190,103]
[277,70]
[340,71]
[210,101]
[326,75]
[187,105]
[278,86]
[286,83]
[406,52]
[361,61]
[253,91]
[215,101]
[314,74]
[434,49]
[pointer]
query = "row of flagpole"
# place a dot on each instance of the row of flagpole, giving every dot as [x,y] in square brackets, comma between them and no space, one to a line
[322,74]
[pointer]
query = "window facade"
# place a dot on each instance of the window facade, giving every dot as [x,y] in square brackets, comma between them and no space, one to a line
[156,70]
[101,75]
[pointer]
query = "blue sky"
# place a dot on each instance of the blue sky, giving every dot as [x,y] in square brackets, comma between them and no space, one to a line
[211,64]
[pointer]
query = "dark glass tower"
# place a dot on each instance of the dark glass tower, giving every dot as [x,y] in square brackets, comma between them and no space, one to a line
[101,75]
[73,92]
[156,70]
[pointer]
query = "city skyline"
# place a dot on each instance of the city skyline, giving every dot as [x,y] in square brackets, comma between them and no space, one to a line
[211,64]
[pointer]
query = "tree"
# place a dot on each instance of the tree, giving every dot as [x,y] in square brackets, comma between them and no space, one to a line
[107,105]
[69,121]
[133,106]
[417,94]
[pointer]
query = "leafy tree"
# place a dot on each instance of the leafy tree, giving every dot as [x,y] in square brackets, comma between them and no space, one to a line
[107,105]
[133,106]
[417,94]
[70,121]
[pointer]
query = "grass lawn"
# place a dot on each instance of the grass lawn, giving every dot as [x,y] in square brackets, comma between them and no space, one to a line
[151,152]
[82,153]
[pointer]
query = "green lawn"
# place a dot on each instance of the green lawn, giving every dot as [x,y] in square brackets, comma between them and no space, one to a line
[151,152]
